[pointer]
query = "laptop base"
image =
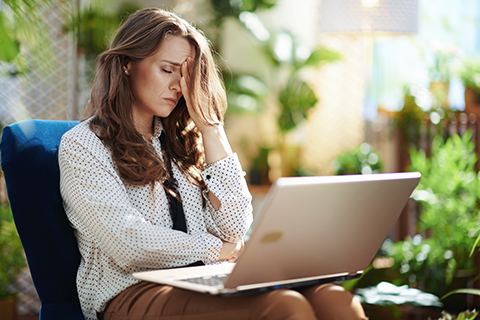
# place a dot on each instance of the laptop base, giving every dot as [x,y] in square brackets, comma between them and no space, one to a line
[296,285]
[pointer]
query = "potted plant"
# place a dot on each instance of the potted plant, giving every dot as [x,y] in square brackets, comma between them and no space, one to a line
[469,74]
[449,196]
[12,260]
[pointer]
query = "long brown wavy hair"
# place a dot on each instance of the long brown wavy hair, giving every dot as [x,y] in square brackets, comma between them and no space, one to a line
[111,100]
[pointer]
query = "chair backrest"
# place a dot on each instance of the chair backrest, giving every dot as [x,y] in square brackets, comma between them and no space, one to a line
[30,165]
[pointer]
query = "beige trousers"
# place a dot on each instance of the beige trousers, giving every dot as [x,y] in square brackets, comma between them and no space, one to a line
[148,301]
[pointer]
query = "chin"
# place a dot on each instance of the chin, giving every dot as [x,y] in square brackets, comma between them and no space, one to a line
[165,113]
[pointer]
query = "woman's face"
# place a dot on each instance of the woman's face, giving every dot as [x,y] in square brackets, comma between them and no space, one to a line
[155,80]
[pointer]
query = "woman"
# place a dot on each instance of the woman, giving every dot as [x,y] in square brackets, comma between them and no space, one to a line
[149,181]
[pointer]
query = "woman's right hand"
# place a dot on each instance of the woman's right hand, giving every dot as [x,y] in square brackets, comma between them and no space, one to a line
[230,251]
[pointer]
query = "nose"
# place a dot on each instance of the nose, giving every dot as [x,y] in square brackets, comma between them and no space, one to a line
[175,83]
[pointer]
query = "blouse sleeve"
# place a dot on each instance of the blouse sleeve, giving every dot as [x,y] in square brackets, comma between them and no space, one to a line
[98,206]
[226,179]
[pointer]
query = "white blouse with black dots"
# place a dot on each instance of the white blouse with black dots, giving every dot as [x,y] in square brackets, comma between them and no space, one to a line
[123,228]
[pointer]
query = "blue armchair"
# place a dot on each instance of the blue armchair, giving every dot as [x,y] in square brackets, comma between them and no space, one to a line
[29,162]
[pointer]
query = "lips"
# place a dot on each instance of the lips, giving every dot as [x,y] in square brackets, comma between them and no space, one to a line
[172,101]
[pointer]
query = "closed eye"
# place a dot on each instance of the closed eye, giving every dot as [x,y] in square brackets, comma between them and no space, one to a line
[167,71]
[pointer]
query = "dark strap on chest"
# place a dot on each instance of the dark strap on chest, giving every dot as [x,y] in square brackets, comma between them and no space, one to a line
[175,205]
[171,184]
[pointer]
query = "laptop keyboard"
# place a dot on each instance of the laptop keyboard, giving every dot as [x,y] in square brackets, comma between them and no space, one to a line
[213,281]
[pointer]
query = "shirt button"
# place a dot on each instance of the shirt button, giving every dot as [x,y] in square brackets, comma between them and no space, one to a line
[209,177]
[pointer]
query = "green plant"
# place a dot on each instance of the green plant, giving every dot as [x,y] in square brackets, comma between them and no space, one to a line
[469,74]
[222,10]
[12,259]
[284,89]
[245,93]
[408,120]
[442,57]
[362,159]
[259,168]
[465,315]
[287,83]
[10,45]
[94,27]
[287,58]
[21,25]
[294,95]
[449,198]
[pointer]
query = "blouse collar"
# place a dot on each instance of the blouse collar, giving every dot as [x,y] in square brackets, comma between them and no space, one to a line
[157,127]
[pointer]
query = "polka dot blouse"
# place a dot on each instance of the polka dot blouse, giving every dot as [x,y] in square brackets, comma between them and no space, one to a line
[121,228]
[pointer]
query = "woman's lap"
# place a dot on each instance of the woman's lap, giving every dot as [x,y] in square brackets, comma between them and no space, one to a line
[148,301]
[333,302]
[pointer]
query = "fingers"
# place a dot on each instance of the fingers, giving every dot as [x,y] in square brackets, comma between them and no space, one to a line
[195,102]
[192,104]
[185,71]
[227,251]
[230,251]
[185,79]
[237,251]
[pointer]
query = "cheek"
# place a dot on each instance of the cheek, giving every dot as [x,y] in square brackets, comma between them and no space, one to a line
[147,83]
[156,81]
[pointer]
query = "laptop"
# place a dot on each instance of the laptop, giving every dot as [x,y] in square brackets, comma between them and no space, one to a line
[309,230]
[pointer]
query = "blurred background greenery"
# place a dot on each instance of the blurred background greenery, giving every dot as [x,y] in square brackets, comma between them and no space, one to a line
[314,88]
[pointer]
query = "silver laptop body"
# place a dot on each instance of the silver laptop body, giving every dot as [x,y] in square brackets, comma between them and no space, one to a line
[309,230]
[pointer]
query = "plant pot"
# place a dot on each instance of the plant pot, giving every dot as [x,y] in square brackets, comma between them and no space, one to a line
[472,101]
[8,308]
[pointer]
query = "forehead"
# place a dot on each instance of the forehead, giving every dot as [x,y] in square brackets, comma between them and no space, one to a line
[174,49]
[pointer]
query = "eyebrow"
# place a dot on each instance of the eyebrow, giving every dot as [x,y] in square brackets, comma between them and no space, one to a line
[172,63]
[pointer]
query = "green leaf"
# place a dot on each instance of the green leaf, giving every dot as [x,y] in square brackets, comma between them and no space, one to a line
[475,245]
[469,73]
[9,47]
[320,55]
[224,8]
[295,99]
[243,103]
[248,84]
[465,291]
[266,4]
[253,5]
[12,258]
[245,93]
